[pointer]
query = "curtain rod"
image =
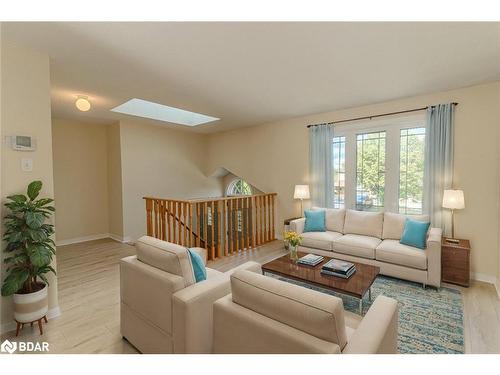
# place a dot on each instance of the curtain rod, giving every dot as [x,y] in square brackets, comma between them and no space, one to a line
[373,116]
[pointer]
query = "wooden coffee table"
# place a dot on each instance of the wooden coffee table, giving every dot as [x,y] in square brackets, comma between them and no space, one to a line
[357,285]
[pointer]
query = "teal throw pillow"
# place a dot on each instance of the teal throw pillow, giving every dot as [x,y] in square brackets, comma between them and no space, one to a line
[415,233]
[200,273]
[315,221]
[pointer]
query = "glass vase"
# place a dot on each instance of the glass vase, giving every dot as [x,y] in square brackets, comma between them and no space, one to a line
[293,253]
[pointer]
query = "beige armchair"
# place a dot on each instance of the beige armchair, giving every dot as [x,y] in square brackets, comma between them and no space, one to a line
[163,309]
[265,315]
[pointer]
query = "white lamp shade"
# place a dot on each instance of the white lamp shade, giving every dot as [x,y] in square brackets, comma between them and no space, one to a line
[453,199]
[301,192]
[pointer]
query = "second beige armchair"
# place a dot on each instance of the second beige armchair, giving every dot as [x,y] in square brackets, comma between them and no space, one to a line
[264,315]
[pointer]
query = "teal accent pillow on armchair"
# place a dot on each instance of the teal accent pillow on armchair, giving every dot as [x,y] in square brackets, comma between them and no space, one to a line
[200,273]
[315,221]
[415,233]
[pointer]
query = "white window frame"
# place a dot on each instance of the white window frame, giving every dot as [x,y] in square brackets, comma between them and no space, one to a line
[392,126]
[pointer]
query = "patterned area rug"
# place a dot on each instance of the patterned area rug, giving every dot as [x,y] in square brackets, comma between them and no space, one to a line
[430,321]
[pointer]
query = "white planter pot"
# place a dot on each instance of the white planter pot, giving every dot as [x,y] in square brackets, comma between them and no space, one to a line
[32,306]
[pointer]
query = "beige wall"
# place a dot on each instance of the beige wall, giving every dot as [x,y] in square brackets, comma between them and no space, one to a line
[25,97]
[80,153]
[275,158]
[115,207]
[164,163]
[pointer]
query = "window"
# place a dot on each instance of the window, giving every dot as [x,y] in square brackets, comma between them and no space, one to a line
[370,171]
[338,172]
[379,165]
[411,170]
[239,187]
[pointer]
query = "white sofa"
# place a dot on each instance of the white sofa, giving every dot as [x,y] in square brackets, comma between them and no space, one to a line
[162,308]
[373,238]
[263,315]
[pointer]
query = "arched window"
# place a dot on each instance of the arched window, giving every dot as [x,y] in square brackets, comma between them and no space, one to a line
[239,187]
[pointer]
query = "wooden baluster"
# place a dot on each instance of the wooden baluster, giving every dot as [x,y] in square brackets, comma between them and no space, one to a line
[238,216]
[162,219]
[156,218]
[185,221]
[191,228]
[149,217]
[252,220]
[175,222]
[231,224]
[247,223]
[257,222]
[225,227]
[167,220]
[273,217]
[205,226]
[219,219]
[262,221]
[212,238]
[198,226]
[269,218]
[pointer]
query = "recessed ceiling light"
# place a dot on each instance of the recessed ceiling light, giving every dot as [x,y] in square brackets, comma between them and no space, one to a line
[82,103]
[155,111]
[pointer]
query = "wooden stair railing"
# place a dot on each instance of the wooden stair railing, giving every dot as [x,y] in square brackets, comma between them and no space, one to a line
[223,226]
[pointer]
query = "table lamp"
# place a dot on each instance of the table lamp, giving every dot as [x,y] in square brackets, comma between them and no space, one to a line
[454,200]
[301,192]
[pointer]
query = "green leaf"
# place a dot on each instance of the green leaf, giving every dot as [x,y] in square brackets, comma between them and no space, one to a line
[34,219]
[18,198]
[14,281]
[43,202]
[34,189]
[40,256]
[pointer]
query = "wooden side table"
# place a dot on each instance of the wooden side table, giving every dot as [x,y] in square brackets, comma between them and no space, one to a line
[455,262]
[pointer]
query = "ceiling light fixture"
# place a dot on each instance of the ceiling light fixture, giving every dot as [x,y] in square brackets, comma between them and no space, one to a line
[160,112]
[82,103]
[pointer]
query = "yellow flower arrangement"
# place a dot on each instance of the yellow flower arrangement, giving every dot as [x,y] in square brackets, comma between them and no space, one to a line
[293,238]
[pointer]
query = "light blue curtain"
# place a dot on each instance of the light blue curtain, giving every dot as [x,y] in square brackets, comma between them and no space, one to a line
[320,165]
[438,163]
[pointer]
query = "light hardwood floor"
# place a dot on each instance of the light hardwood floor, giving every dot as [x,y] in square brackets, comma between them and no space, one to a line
[88,277]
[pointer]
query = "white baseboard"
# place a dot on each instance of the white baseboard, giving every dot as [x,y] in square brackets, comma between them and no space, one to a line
[94,237]
[483,277]
[120,238]
[11,326]
[82,239]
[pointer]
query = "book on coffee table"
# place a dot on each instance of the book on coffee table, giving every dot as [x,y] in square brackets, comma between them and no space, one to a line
[311,260]
[339,274]
[340,266]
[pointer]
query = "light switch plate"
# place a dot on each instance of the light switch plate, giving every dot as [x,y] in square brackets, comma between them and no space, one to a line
[26,164]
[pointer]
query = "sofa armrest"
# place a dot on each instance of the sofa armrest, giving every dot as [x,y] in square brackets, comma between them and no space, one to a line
[434,257]
[297,225]
[193,311]
[378,331]
[192,314]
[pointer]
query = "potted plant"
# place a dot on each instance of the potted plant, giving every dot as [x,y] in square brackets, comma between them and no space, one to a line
[294,240]
[30,250]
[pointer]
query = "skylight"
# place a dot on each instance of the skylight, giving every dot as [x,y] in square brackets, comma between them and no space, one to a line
[155,111]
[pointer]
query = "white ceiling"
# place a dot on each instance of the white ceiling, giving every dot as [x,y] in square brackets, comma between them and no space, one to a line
[251,73]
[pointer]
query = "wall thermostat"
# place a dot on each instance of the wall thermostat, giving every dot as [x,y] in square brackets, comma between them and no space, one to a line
[23,143]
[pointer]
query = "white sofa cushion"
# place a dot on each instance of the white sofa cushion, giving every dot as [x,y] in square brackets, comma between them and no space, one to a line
[320,240]
[364,223]
[334,218]
[166,256]
[391,251]
[394,224]
[356,245]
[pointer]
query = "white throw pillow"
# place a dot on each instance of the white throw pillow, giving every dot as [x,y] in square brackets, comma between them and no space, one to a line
[334,218]
[364,223]
[394,224]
